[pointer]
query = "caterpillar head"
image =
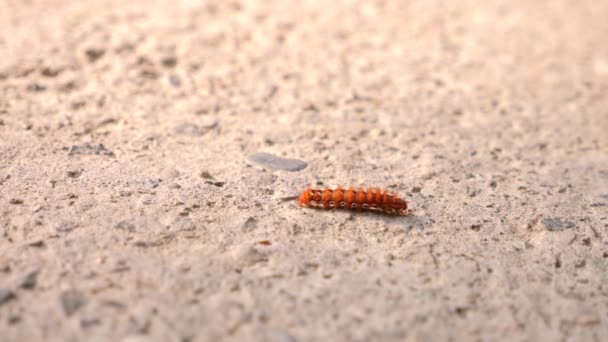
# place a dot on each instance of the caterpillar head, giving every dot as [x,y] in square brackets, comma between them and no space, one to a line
[305,198]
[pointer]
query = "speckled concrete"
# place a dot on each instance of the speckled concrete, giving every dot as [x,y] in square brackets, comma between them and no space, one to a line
[129,211]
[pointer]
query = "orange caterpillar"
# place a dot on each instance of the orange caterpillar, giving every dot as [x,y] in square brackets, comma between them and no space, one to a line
[377,200]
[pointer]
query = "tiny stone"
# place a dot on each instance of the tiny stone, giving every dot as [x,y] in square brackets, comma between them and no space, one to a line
[89,322]
[126,225]
[175,81]
[74,173]
[50,72]
[37,244]
[206,175]
[555,224]
[93,54]
[88,149]
[29,281]
[35,87]
[188,129]
[138,326]
[142,244]
[218,184]
[16,201]
[13,319]
[114,304]
[6,296]
[249,224]
[276,163]
[65,226]
[174,186]
[72,301]
[169,61]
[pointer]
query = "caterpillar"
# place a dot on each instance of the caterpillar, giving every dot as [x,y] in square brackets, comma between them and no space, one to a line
[374,200]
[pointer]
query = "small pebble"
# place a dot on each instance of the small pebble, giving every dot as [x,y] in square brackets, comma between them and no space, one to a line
[206,175]
[89,322]
[174,186]
[88,149]
[126,225]
[65,226]
[94,53]
[71,301]
[276,163]
[175,81]
[249,224]
[555,224]
[13,319]
[218,184]
[74,173]
[188,129]
[37,244]
[35,87]
[6,296]
[169,61]
[30,280]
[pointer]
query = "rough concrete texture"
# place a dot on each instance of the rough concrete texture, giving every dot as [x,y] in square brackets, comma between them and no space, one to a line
[129,211]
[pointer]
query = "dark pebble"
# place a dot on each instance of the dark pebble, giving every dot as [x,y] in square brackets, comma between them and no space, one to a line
[476,227]
[37,244]
[555,224]
[50,71]
[13,319]
[249,224]
[270,161]
[206,175]
[152,183]
[218,184]
[93,54]
[89,322]
[35,87]
[74,173]
[88,149]
[30,280]
[71,301]
[15,201]
[65,226]
[169,61]
[6,296]
[126,225]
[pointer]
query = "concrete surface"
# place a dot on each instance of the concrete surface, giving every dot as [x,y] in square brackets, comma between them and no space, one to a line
[128,210]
